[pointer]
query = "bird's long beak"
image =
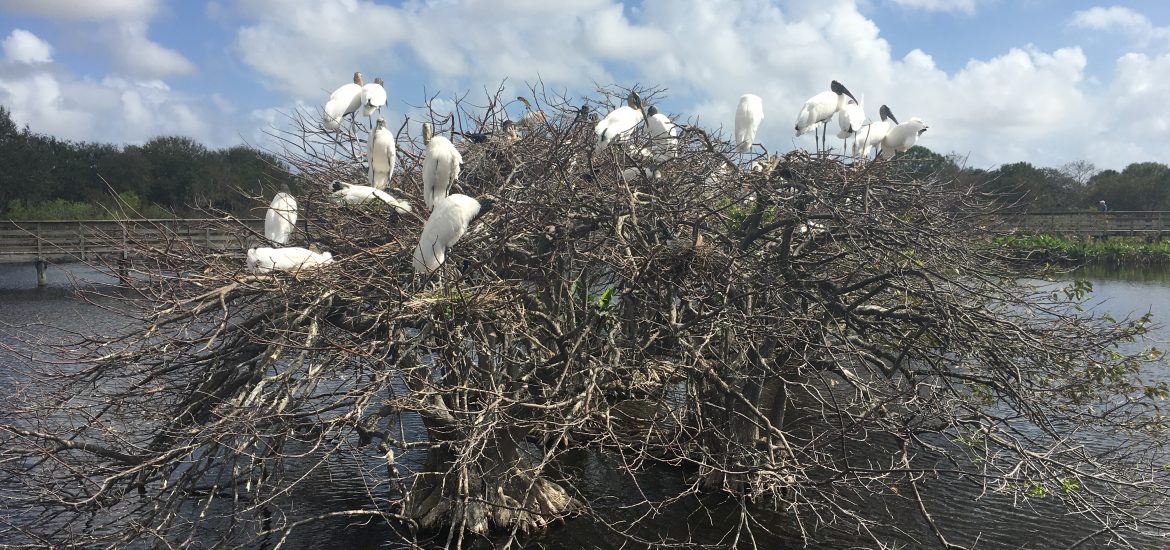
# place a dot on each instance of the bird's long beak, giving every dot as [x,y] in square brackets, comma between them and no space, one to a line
[839,88]
[887,113]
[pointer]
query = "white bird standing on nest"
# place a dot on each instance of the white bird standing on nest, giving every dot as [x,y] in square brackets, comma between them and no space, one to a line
[373,97]
[661,129]
[851,119]
[281,218]
[446,224]
[440,166]
[748,116]
[871,135]
[902,137]
[294,258]
[381,156]
[343,101]
[821,107]
[348,193]
[619,123]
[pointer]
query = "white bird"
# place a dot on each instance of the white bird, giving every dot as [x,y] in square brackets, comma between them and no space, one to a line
[630,175]
[821,107]
[902,137]
[348,193]
[373,97]
[851,118]
[872,134]
[440,166]
[619,123]
[748,116]
[446,224]
[381,156]
[661,131]
[343,101]
[281,218]
[294,258]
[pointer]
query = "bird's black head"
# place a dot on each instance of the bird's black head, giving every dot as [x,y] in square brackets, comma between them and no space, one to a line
[653,110]
[887,114]
[337,186]
[839,89]
[634,100]
[583,113]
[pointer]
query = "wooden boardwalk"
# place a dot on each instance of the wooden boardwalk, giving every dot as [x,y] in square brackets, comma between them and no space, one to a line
[1152,224]
[85,240]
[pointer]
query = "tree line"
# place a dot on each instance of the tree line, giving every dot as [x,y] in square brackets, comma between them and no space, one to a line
[47,177]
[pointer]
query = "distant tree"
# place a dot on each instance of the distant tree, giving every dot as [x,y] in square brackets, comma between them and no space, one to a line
[1141,186]
[178,171]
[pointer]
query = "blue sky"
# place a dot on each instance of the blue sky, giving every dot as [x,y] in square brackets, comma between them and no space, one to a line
[1049,81]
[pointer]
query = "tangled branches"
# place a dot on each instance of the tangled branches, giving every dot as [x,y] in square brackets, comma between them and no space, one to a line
[799,336]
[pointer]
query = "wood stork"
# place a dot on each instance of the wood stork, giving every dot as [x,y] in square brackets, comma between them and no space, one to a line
[872,134]
[851,119]
[661,130]
[619,123]
[821,107]
[373,97]
[293,258]
[748,116]
[631,175]
[348,193]
[343,101]
[441,163]
[445,226]
[381,156]
[281,218]
[902,137]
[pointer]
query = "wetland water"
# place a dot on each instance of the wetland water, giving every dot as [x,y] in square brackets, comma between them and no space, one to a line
[992,521]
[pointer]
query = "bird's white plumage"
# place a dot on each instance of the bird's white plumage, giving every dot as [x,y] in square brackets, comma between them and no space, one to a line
[851,118]
[373,97]
[870,136]
[748,115]
[902,137]
[281,218]
[632,174]
[343,101]
[817,109]
[295,258]
[445,226]
[440,167]
[619,123]
[381,153]
[348,193]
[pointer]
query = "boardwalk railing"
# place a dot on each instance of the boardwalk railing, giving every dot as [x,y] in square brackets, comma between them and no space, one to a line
[1136,223]
[85,240]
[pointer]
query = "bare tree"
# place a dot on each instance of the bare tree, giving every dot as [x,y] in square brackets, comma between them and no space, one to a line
[799,337]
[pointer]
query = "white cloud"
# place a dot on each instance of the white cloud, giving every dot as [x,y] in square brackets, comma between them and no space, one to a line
[25,47]
[84,10]
[136,55]
[1140,30]
[964,6]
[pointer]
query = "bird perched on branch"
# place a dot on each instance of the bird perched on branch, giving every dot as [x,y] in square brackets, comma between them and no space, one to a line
[619,123]
[445,226]
[531,120]
[281,218]
[821,107]
[294,258]
[373,97]
[748,116]
[851,119]
[872,134]
[441,163]
[902,137]
[343,101]
[348,193]
[381,156]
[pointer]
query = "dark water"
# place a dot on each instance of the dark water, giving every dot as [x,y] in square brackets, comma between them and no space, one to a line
[26,312]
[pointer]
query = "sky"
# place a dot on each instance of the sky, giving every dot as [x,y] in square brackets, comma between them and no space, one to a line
[997,81]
